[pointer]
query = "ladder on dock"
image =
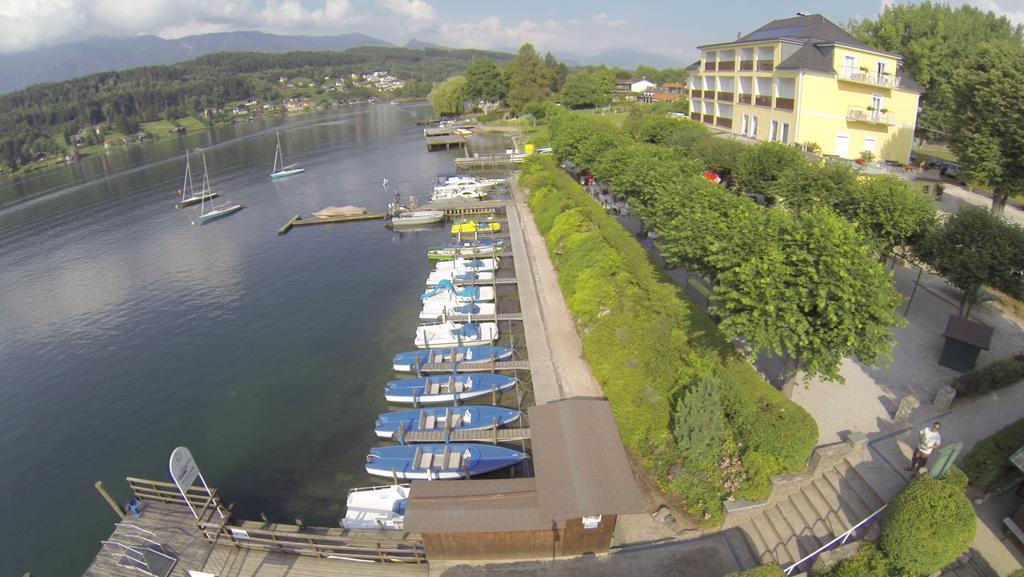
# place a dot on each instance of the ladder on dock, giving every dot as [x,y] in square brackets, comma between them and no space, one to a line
[136,548]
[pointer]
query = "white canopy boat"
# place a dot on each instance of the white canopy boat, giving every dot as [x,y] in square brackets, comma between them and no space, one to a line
[461,192]
[446,291]
[462,265]
[437,310]
[376,508]
[456,277]
[455,334]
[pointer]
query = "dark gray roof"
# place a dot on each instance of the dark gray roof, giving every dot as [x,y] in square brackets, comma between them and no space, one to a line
[581,465]
[908,83]
[477,506]
[694,66]
[808,57]
[810,27]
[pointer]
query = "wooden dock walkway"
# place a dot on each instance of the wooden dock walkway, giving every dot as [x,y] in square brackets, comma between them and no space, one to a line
[486,318]
[298,221]
[481,161]
[485,367]
[457,208]
[493,436]
[445,141]
[503,280]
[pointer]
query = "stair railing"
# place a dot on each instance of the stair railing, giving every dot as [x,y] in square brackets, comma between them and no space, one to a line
[838,541]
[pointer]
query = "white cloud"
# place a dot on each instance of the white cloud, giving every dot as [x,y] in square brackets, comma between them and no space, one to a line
[417,15]
[31,22]
[289,15]
[191,28]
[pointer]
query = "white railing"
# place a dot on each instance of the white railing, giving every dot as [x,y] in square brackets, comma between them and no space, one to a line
[863,114]
[841,540]
[868,77]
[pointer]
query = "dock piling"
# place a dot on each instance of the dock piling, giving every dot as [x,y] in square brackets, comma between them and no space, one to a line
[110,500]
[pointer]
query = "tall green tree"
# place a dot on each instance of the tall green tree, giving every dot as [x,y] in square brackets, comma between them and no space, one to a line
[988,129]
[587,89]
[936,40]
[559,71]
[888,211]
[448,96]
[698,423]
[817,295]
[973,248]
[484,81]
[760,165]
[527,78]
[641,171]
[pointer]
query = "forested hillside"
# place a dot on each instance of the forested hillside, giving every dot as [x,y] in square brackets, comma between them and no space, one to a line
[44,118]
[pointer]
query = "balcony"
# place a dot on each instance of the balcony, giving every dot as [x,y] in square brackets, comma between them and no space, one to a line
[765,101]
[765,65]
[724,122]
[709,66]
[783,103]
[727,65]
[746,64]
[860,114]
[709,119]
[725,96]
[883,79]
[745,98]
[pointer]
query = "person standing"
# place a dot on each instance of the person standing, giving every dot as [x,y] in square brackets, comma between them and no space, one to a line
[928,439]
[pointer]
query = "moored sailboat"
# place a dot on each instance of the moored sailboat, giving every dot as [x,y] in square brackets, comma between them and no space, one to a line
[284,171]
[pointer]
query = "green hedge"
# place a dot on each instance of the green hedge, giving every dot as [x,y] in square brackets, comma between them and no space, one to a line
[868,562]
[989,462]
[928,524]
[645,342]
[762,571]
[999,374]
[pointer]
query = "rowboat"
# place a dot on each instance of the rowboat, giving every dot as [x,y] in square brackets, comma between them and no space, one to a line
[438,418]
[436,310]
[446,388]
[456,278]
[445,291]
[376,508]
[461,265]
[439,461]
[455,334]
[409,361]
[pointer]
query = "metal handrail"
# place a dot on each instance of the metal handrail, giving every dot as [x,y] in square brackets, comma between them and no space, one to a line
[840,539]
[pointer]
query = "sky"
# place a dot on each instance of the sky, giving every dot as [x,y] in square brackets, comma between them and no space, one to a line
[572,27]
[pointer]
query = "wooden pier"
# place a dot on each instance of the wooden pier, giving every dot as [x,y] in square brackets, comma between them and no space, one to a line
[496,281]
[485,318]
[482,161]
[297,220]
[484,367]
[467,207]
[490,435]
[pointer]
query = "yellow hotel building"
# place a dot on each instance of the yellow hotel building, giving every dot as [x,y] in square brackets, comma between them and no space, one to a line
[805,80]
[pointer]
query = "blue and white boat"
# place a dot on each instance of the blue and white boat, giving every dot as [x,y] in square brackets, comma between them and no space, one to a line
[458,278]
[436,418]
[461,265]
[439,461]
[454,357]
[434,311]
[284,171]
[446,291]
[446,388]
[449,334]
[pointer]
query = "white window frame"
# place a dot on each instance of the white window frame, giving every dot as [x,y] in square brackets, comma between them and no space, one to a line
[753,126]
[773,131]
[745,126]
[784,138]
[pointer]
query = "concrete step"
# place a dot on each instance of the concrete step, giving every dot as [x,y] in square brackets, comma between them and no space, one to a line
[788,534]
[806,540]
[757,541]
[816,524]
[742,549]
[880,476]
[774,546]
[859,484]
[849,501]
[831,497]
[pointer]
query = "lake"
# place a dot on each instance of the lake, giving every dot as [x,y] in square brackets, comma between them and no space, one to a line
[127,329]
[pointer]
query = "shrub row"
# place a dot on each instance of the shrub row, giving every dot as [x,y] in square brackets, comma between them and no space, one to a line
[989,462]
[762,571]
[999,374]
[646,343]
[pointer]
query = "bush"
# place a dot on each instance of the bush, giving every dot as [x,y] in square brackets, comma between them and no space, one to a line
[772,570]
[647,343]
[999,374]
[760,165]
[989,462]
[927,526]
[868,562]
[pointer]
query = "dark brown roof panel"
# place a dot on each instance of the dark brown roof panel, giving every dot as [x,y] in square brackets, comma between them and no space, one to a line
[478,506]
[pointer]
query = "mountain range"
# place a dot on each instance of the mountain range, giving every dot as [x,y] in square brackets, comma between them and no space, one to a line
[64,61]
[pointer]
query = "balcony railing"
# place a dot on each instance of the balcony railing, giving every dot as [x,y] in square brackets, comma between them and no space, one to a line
[783,103]
[763,101]
[727,65]
[860,114]
[882,79]
[709,118]
[723,122]
[695,116]
[745,98]
[746,64]
[709,66]
[765,65]
[725,96]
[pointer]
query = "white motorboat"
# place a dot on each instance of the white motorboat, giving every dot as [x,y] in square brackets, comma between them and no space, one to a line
[446,291]
[450,334]
[463,265]
[376,508]
[455,277]
[434,311]
[460,192]
[418,217]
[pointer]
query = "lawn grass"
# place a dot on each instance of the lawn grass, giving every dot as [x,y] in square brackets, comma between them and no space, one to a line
[192,124]
[158,128]
[935,152]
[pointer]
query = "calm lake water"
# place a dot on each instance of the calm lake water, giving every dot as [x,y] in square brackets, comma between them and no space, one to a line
[127,330]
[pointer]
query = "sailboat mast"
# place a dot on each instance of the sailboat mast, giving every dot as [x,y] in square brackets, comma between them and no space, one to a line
[186,184]
[206,187]
[277,153]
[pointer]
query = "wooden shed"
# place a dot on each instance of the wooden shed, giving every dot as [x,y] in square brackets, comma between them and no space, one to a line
[583,482]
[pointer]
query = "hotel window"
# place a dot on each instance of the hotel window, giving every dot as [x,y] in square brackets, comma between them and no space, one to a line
[745,126]
[785,133]
[773,132]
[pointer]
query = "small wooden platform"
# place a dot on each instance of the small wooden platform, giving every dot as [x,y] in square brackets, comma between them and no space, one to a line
[493,436]
[484,367]
[298,221]
[498,280]
[446,141]
[482,318]
[483,161]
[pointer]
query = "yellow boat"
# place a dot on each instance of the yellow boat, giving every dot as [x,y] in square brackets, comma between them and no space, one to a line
[471,226]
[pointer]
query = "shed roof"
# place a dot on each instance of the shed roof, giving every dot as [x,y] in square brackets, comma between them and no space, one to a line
[581,465]
[477,506]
